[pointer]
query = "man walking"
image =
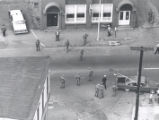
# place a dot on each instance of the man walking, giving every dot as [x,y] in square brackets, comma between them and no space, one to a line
[78,78]
[3,29]
[67,45]
[104,80]
[157,49]
[81,55]
[38,45]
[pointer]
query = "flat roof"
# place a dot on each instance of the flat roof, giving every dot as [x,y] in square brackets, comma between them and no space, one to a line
[21,82]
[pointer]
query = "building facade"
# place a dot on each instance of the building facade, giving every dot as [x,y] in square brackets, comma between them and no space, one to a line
[61,14]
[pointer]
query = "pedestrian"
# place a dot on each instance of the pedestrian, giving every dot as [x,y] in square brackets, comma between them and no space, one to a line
[104,81]
[109,30]
[81,54]
[3,29]
[67,44]
[115,30]
[62,81]
[90,75]
[78,78]
[57,33]
[85,36]
[37,45]
[99,91]
[157,91]
[151,97]
[157,49]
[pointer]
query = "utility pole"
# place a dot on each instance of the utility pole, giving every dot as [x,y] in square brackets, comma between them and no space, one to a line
[99,19]
[141,49]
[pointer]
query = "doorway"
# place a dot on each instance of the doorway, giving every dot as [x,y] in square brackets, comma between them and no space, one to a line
[52,19]
[52,16]
[124,17]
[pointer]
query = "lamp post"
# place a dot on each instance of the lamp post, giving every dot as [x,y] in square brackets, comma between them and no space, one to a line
[141,49]
[99,18]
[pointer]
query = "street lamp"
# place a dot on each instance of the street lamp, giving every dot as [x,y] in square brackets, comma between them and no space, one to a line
[141,49]
[99,18]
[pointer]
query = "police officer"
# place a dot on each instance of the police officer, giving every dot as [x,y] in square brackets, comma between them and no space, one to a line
[78,79]
[38,45]
[104,80]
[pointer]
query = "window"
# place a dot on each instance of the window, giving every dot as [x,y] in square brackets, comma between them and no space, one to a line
[80,15]
[106,14]
[102,12]
[95,14]
[127,15]
[69,16]
[121,15]
[75,14]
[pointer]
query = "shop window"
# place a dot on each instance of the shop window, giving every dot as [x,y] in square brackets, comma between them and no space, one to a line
[106,14]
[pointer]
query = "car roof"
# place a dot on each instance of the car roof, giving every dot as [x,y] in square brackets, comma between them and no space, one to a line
[16,15]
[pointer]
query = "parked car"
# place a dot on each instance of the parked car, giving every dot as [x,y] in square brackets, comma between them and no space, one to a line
[130,83]
[18,22]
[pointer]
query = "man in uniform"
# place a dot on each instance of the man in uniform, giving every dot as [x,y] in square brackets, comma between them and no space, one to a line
[104,80]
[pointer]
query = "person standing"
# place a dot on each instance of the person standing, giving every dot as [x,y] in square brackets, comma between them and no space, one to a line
[67,45]
[38,45]
[78,78]
[109,30]
[3,29]
[104,81]
[62,80]
[157,95]
[157,49]
[81,54]
[115,30]
[90,75]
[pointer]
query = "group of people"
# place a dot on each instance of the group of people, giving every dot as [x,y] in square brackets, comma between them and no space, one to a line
[77,78]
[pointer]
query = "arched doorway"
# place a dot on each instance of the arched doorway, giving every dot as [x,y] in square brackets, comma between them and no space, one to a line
[125,14]
[52,16]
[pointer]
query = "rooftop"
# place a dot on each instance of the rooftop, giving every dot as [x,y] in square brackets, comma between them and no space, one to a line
[21,82]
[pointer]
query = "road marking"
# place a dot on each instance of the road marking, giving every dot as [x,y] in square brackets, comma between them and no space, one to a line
[151,68]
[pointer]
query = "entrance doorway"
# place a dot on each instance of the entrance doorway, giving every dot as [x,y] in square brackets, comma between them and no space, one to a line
[124,17]
[52,16]
[125,14]
[52,19]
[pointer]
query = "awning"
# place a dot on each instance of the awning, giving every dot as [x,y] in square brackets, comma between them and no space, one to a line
[123,2]
[50,5]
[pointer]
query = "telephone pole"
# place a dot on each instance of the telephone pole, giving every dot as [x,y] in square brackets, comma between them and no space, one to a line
[99,20]
[141,49]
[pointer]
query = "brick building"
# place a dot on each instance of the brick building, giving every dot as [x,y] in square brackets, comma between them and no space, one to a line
[61,14]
